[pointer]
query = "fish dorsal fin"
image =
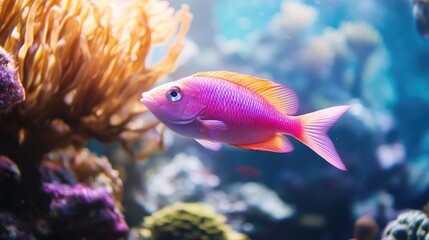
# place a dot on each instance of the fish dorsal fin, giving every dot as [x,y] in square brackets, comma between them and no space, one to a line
[281,97]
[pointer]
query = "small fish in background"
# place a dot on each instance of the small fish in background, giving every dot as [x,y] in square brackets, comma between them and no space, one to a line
[242,111]
[421,16]
[248,171]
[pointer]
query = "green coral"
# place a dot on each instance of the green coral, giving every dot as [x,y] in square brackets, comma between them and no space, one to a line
[187,221]
[410,225]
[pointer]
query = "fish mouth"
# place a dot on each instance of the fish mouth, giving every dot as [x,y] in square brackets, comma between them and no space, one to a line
[188,120]
[149,101]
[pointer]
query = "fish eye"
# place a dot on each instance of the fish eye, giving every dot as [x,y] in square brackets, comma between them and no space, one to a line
[174,94]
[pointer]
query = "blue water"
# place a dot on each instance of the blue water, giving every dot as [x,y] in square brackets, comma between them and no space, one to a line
[383,139]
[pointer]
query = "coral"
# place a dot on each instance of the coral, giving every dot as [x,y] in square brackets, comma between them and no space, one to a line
[257,199]
[183,178]
[11,90]
[12,228]
[9,172]
[82,65]
[421,16]
[413,224]
[251,207]
[10,177]
[317,56]
[426,209]
[71,166]
[365,229]
[83,212]
[361,38]
[64,211]
[295,17]
[189,221]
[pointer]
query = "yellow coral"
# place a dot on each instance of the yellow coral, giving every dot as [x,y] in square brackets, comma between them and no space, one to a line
[188,221]
[82,62]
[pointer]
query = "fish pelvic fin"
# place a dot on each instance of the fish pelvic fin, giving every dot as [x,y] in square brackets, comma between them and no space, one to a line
[277,143]
[282,98]
[314,133]
[214,146]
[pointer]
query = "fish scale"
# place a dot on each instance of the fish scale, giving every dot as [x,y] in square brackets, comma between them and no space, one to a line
[246,112]
[243,111]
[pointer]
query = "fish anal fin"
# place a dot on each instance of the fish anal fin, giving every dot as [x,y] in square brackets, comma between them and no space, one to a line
[215,146]
[277,143]
[281,97]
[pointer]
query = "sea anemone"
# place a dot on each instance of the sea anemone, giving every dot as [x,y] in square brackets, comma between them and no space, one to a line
[82,65]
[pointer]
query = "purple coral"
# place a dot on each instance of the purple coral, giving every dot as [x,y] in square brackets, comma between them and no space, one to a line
[10,177]
[14,229]
[9,171]
[11,90]
[81,211]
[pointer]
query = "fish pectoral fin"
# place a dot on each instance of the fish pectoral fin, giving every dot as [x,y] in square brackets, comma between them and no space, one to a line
[215,146]
[212,128]
[277,143]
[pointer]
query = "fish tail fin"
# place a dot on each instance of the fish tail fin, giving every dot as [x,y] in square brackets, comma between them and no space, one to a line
[314,133]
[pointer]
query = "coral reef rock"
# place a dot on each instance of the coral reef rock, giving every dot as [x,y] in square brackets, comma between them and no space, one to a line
[13,229]
[71,166]
[365,229]
[10,177]
[191,221]
[410,225]
[11,90]
[184,178]
[261,200]
[9,172]
[80,211]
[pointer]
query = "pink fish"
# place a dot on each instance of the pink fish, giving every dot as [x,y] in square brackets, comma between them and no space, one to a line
[243,111]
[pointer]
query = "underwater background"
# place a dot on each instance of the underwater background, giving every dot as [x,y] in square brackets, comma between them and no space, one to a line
[81,158]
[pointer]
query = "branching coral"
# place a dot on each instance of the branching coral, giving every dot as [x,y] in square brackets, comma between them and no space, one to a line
[82,63]
[188,221]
